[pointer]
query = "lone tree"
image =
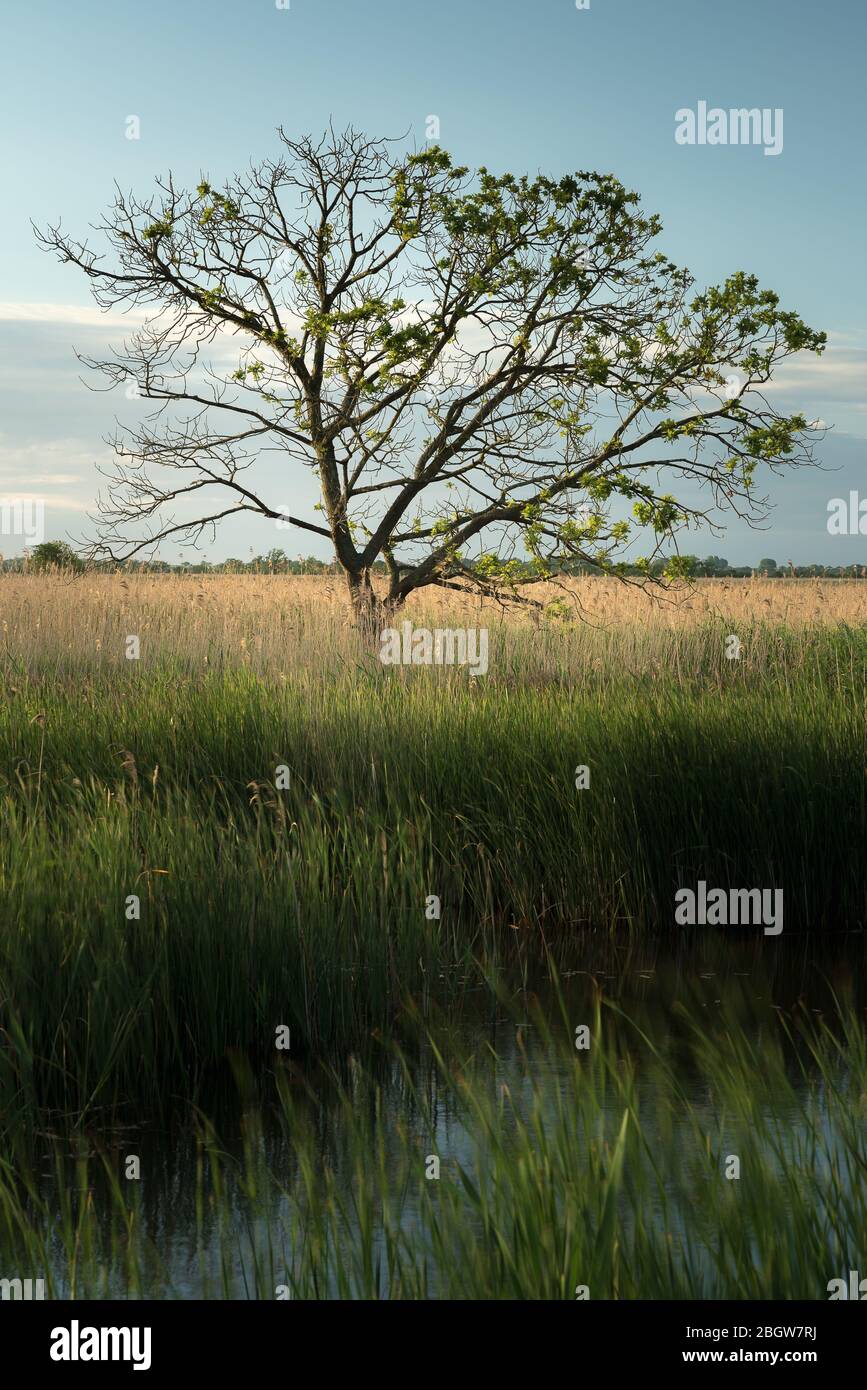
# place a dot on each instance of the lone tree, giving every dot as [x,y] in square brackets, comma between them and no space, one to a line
[54,555]
[481,370]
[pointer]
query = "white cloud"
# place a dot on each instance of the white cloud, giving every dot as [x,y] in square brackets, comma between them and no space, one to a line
[41,468]
[79,315]
[57,502]
[840,374]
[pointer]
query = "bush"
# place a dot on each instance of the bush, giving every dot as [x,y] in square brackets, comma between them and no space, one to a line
[55,555]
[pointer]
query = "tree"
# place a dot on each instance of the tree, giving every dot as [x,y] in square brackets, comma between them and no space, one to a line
[478,368]
[51,555]
[768,566]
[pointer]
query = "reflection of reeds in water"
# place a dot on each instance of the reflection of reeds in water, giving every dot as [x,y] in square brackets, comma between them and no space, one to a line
[605,1168]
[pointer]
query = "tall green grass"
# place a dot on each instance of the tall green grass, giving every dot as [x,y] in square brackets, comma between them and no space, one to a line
[604,1168]
[306,906]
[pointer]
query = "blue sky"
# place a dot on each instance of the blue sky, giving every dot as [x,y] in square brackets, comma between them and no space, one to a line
[519,86]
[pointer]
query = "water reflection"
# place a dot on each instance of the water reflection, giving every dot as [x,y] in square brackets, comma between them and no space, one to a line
[518,1034]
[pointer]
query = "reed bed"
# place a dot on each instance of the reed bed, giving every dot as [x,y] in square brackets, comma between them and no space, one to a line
[601,1174]
[57,625]
[284,809]
[254,825]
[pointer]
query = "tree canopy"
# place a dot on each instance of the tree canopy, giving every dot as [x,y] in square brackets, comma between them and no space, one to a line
[479,368]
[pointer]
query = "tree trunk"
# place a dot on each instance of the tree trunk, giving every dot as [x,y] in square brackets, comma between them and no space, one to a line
[371,613]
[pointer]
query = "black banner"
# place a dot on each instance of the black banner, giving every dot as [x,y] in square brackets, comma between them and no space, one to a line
[157,1339]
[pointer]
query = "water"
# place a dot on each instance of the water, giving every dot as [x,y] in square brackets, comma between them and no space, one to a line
[209,1233]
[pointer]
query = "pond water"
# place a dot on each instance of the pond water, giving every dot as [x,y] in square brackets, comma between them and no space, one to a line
[207,1232]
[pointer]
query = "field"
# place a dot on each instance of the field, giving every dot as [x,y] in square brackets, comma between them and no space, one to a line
[253,826]
[156,778]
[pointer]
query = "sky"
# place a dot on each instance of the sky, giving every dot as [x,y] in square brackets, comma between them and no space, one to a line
[535,86]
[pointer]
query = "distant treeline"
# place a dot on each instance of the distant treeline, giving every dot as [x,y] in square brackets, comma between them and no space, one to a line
[59,555]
